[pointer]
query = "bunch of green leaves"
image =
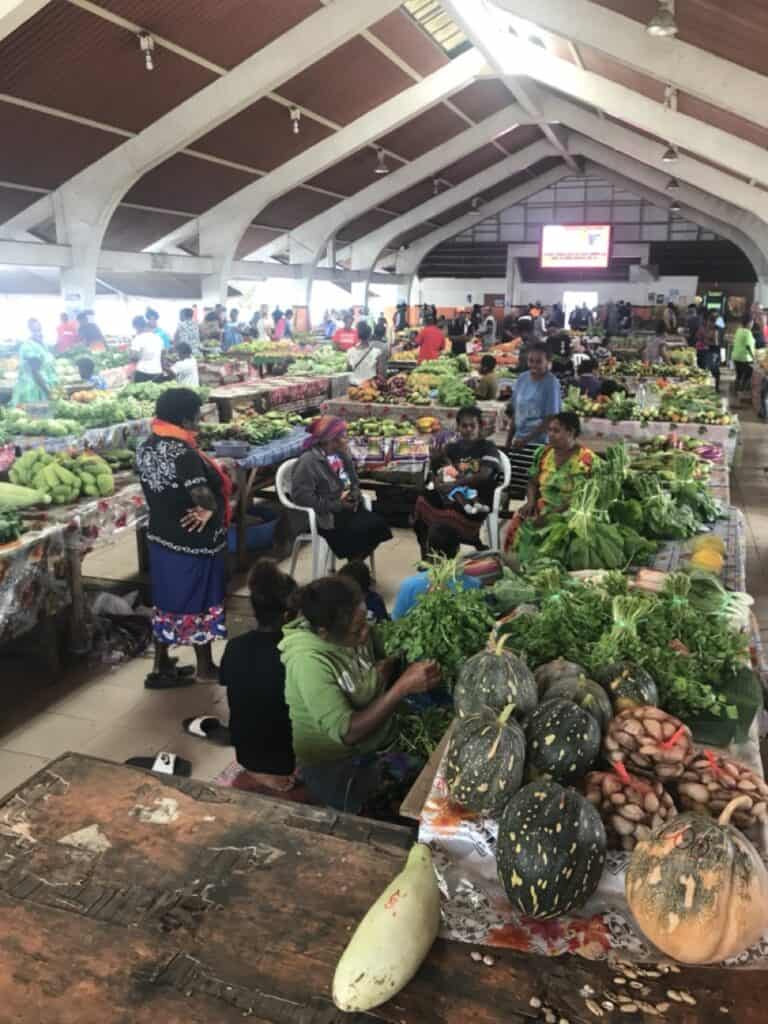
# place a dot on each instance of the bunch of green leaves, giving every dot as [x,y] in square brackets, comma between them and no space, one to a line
[448,624]
[452,391]
[419,732]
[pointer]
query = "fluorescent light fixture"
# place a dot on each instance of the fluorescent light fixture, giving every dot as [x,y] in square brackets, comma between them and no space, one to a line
[381,166]
[663,25]
[675,207]
[147,46]
[671,156]
[477,206]
[673,185]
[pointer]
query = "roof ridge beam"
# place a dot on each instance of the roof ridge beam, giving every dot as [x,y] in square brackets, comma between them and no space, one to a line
[365,251]
[688,68]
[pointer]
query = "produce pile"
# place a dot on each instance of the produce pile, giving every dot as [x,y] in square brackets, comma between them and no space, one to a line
[63,478]
[677,404]
[11,524]
[323,362]
[620,512]
[654,371]
[441,378]
[252,427]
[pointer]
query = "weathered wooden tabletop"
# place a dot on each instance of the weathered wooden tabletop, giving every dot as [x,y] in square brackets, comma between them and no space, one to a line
[128,899]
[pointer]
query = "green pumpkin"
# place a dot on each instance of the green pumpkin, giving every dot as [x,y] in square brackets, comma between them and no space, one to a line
[485,761]
[556,671]
[563,741]
[551,850]
[495,679]
[629,686]
[588,694]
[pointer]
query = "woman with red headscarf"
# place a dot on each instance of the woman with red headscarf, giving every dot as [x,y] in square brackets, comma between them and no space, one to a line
[188,498]
[325,479]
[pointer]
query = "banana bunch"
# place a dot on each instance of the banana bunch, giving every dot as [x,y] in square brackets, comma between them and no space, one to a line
[63,477]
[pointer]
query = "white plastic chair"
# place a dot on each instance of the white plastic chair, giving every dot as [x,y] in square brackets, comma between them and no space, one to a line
[492,521]
[323,559]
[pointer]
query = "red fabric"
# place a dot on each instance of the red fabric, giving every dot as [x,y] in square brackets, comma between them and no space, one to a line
[164,429]
[431,343]
[345,338]
[68,336]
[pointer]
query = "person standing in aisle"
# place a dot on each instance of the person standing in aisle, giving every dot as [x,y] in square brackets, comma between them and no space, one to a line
[432,341]
[692,325]
[535,401]
[66,334]
[380,330]
[188,330]
[743,353]
[148,347]
[232,333]
[345,337]
[89,332]
[363,361]
[670,318]
[185,368]
[153,317]
[37,370]
[278,317]
[288,329]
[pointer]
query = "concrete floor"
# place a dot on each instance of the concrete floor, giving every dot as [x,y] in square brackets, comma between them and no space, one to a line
[108,713]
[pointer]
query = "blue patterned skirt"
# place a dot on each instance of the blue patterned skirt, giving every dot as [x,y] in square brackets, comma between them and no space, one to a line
[188,596]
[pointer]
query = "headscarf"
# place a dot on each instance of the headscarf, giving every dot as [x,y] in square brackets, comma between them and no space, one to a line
[323,429]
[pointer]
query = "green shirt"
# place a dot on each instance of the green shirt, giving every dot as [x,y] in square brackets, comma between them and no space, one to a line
[487,388]
[325,684]
[27,390]
[743,346]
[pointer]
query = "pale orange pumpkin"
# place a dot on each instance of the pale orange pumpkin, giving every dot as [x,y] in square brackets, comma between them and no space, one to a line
[698,888]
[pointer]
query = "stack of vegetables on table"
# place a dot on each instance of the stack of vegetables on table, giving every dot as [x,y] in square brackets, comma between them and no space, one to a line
[321,363]
[252,427]
[63,477]
[441,381]
[686,403]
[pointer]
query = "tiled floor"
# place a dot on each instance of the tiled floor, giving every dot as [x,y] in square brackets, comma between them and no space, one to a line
[108,712]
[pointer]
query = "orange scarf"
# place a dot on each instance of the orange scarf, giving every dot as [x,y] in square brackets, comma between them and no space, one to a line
[164,429]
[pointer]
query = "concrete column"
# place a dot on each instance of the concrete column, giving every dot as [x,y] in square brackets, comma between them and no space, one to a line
[512,286]
[761,291]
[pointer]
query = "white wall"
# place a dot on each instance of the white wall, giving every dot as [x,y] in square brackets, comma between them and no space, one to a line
[453,291]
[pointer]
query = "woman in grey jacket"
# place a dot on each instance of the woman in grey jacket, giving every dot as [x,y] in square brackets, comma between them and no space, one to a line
[325,479]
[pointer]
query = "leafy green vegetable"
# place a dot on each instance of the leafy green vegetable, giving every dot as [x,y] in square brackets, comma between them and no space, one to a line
[448,624]
[420,732]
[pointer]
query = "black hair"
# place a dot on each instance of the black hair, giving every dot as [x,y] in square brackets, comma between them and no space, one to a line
[64,316]
[364,330]
[568,421]
[443,540]
[234,314]
[288,312]
[330,603]
[429,321]
[359,572]
[539,347]
[467,412]
[587,366]
[211,317]
[184,349]
[139,324]
[178,406]
[86,367]
[487,364]
[187,313]
[271,591]
[151,314]
[747,319]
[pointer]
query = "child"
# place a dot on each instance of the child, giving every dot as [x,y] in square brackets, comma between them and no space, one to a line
[487,389]
[588,382]
[87,370]
[359,572]
[185,368]
[466,497]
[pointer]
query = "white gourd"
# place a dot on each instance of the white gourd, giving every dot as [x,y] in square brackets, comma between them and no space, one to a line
[392,940]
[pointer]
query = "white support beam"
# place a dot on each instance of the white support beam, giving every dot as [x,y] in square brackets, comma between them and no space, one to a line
[524,58]
[690,212]
[308,240]
[84,205]
[14,13]
[703,176]
[408,261]
[713,79]
[365,251]
[222,227]
[34,254]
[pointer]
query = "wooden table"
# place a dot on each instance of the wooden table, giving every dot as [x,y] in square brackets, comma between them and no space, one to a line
[129,899]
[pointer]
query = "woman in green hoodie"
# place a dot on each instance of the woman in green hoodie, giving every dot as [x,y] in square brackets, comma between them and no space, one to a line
[342,693]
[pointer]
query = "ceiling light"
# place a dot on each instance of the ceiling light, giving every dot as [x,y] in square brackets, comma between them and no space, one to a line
[147,44]
[673,185]
[675,207]
[295,118]
[663,25]
[381,166]
[671,156]
[477,206]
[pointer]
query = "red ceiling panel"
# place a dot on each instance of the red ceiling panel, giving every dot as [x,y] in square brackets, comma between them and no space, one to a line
[44,151]
[411,197]
[518,138]
[370,221]
[401,34]
[14,200]
[131,230]
[254,238]
[483,98]
[186,183]
[224,32]
[66,58]
[475,162]
[261,136]
[722,119]
[599,64]
[347,83]
[430,129]
[293,208]
[353,173]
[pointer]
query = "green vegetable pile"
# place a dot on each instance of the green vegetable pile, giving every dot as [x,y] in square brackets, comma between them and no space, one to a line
[380,428]
[695,659]
[452,391]
[419,732]
[448,624]
[63,477]
[11,526]
[324,361]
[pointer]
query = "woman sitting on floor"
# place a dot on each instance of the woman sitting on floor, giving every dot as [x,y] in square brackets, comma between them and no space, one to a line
[325,479]
[557,469]
[342,694]
[463,477]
